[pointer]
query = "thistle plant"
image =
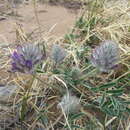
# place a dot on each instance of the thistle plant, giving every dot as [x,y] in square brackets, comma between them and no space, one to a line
[106,56]
[26,57]
[24,60]
[58,53]
[104,102]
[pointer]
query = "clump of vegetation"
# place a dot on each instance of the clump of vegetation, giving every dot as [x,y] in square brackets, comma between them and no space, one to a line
[74,86]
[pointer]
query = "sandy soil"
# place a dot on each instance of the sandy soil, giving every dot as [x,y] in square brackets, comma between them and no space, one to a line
[49,16]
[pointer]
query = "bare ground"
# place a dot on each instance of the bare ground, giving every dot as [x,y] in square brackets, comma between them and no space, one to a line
[56,17]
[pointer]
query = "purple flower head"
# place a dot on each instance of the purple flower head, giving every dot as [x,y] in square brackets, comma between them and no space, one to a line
[106,56]
[25,57]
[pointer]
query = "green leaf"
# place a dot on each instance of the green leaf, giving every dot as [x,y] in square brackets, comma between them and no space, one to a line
[106,104]
[126,102]
[115,91]
[75,116]
[114,102]
[39,71]
[105,86]
[109,85]
[87,86]
[103,99]
[128,110]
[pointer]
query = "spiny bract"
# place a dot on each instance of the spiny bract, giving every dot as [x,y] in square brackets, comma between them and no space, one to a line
[58,53]
[25,57]
[106,56]
[69,103]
